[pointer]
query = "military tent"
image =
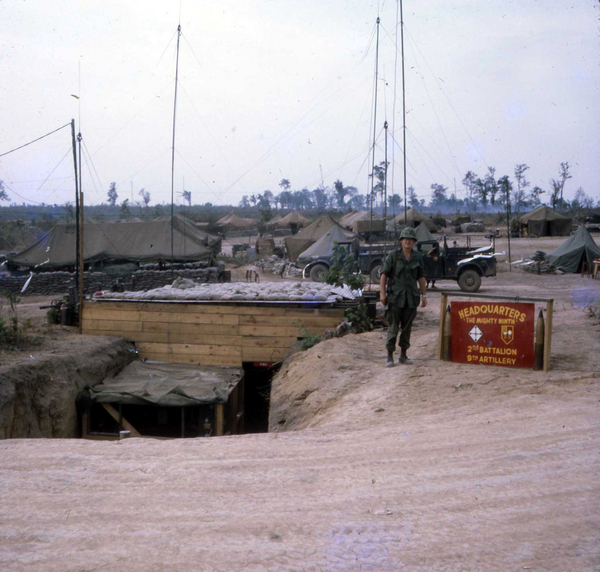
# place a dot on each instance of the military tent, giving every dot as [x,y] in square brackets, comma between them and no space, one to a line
[352,220]
[423,233]
[273,222]
[294,218]
[235,222]
[415,218]
[120,241]
[324,246]
[298,243]
[543,221]
[578,248]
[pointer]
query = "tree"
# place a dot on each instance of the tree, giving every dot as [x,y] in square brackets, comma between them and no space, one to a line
[534,197]
[564,174]
[394,201]
[187,196]
[268,196]
[112,194]
[285,199]
[253,200]
[125,213]
[470,181]
[522,184]
[505,187]
[285,184]
[145,196]
[555,193]
[3,194]
[357,202]
[244,203]
[438,196]
[319,196]
[413,200]
[69,212]
[491,185]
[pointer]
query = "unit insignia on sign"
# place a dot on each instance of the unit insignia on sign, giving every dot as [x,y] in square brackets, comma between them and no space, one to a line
[508,334]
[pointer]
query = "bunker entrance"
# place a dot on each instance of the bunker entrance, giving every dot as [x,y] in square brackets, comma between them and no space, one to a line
[257,395]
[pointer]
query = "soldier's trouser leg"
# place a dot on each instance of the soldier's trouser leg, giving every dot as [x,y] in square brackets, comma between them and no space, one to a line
[393,318]
[407,317]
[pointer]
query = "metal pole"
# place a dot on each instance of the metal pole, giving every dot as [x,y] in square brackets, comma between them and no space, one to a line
[403,112]
[374,127]
[173,148]
[80,252]
[76,205]
[385,126]
[508,224]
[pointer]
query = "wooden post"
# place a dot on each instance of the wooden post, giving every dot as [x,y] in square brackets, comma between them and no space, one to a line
[539,343]
[219,419]
[548,334]
[443,305]
[81,264]
[126,425]
[447,337]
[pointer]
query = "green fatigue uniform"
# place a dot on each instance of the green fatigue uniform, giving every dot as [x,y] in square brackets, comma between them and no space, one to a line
[405,295]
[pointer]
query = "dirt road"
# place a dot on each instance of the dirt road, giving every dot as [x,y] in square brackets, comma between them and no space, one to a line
[436,466]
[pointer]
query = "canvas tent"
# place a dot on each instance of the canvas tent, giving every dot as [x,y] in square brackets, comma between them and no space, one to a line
[298,243]
[578,248]
[359,221]
[120,241]
[415,218]
[324,246]
[423,233]
[150,399]
[273,222]
[235,222]
[543,221]
[294,218]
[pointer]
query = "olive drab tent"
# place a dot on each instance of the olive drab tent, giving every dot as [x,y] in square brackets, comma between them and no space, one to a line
[298,243]
[415,218]
[543,221]
[146,241]
[423,233]
[294,218]
[235,222]
[577,249]
[324,246]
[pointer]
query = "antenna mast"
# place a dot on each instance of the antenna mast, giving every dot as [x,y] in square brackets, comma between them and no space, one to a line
[374,126]
[403,112]
[173,149]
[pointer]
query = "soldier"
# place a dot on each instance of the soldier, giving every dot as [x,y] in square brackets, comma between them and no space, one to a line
[400,296]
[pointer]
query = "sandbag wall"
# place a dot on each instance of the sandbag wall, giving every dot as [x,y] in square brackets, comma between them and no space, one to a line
[48,283]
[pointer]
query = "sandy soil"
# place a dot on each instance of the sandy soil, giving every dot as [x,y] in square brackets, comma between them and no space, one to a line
[434,466]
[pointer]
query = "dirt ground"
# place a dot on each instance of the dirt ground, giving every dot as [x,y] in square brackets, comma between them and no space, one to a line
[434,466]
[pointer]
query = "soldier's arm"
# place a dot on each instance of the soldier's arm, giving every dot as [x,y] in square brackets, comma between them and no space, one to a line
[422,287]
[382,288]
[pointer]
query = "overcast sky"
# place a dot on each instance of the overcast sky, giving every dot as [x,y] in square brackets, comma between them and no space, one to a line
[271,89]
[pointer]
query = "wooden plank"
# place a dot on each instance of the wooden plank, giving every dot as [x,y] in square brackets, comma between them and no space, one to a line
[195,317]
[178,328]
[251,342]
[278,332]
[219,419]
[188,349]
[548,334]
[443,304]
[109,325]
[290,321]
[264,354]
[230,361]
[174,338]
[316,312]
[115,415]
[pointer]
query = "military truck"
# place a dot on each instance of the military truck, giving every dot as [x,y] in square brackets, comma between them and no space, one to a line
[465,265]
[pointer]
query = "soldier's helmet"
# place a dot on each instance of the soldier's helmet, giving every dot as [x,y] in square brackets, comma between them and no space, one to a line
[408,232]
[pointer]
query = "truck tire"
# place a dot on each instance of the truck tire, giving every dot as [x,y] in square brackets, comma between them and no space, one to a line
[469,281]
[376,273]
[317,272]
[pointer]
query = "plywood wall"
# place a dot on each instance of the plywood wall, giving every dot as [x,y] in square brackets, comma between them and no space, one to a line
[207,334]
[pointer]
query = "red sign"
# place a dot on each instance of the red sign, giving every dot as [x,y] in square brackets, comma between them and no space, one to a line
[493,333]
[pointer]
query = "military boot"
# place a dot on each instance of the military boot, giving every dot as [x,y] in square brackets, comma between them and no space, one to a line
[404,358]
[390,360]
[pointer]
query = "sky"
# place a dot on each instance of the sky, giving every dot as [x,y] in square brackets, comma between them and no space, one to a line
[273,89]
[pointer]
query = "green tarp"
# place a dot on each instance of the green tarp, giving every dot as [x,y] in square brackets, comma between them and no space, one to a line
[145,241]
[573,251]
[324,246]
[167,384]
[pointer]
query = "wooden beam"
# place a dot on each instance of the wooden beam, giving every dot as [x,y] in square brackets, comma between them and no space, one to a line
[230,361]
[219,420]
[293,321]
[115,415]
[548,334]
[443,305]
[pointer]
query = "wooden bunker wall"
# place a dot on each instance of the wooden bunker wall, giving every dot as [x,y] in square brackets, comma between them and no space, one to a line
[207,334]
